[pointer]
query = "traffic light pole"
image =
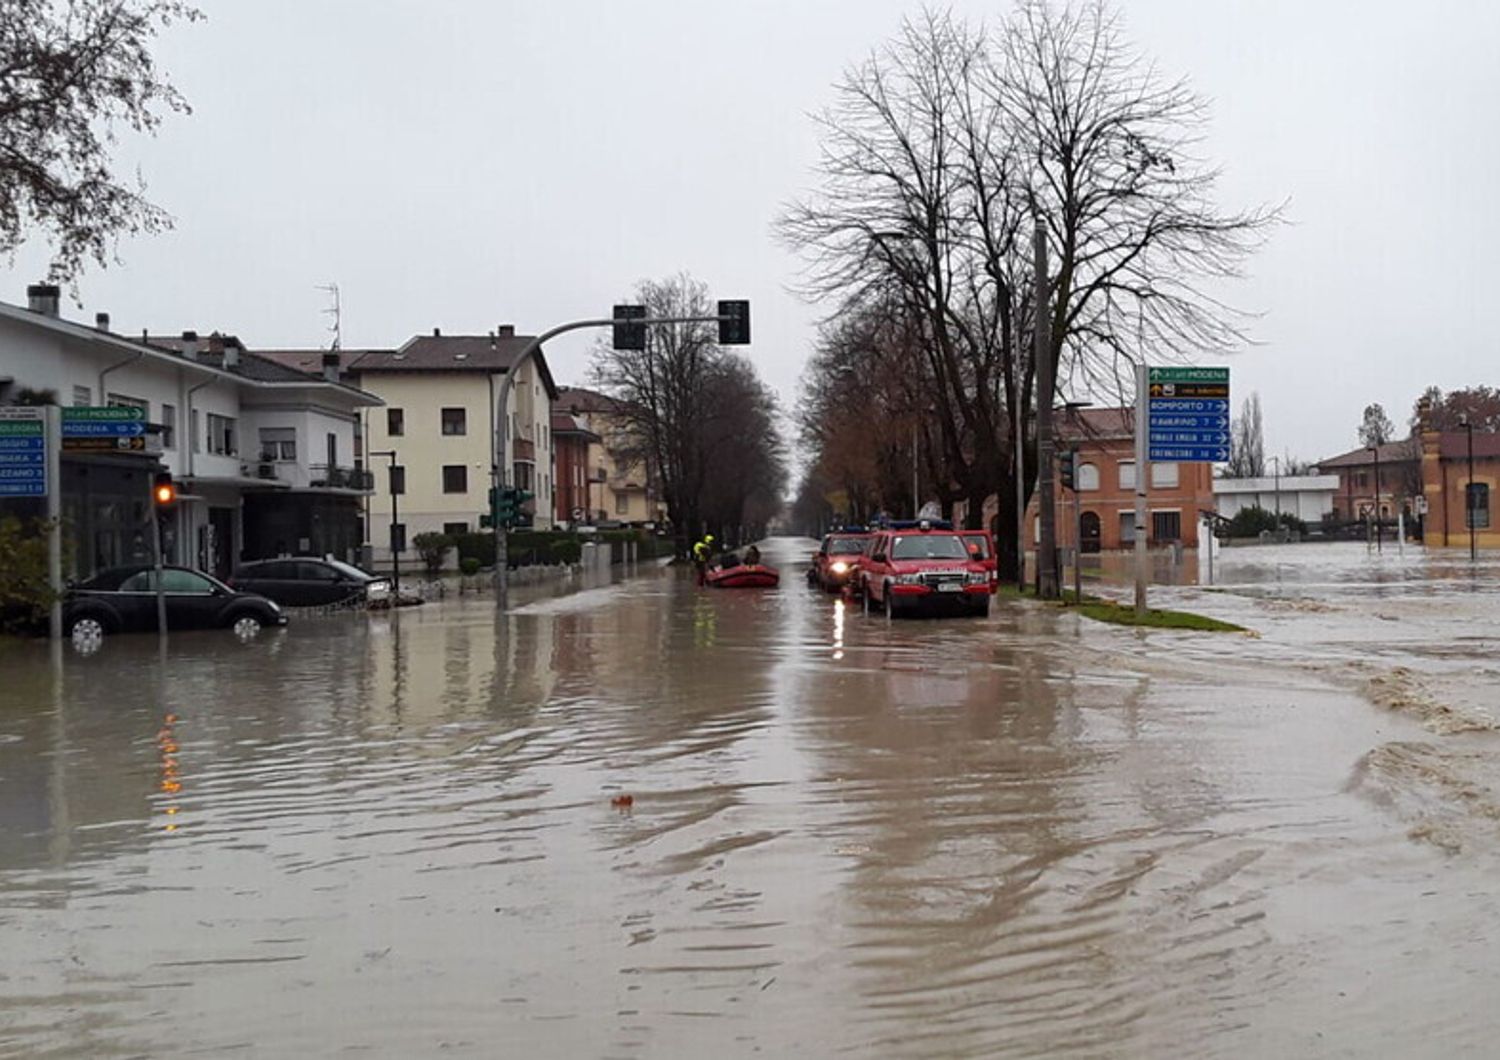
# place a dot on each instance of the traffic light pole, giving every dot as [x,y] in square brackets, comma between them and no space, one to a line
[500,454]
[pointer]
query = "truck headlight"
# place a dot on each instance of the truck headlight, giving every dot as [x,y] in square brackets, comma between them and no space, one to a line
[838,566]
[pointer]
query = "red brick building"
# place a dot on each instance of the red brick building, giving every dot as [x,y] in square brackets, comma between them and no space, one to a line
[571,439]
[1105,439]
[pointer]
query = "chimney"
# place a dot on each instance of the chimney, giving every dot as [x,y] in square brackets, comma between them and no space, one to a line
[437,333]
[232,350]
[506,331]
[190,345]
[331,366]
[101,321]
[43,298]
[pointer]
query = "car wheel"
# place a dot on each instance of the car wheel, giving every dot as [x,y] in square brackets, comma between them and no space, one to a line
[982,609]
[246,627]
[86,632]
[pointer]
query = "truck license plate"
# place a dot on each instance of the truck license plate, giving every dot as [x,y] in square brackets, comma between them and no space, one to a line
[949,587]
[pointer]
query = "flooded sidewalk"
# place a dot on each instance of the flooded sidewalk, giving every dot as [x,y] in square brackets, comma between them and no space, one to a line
[646,819]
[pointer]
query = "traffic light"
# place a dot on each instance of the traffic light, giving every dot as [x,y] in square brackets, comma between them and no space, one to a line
[734,323]
[1067,469]
[163,490]
[505,507]
[629,336]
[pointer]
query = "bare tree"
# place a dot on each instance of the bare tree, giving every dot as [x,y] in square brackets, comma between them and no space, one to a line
[696,417]
[1375,426]
[940,150]
[70,75]
[1247,447]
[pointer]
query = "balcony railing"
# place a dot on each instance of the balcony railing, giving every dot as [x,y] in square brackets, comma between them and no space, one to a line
[326,476]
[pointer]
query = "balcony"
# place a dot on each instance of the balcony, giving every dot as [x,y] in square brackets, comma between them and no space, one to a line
[331,477]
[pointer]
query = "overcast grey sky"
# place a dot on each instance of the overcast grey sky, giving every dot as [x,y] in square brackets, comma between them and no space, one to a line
[464,164]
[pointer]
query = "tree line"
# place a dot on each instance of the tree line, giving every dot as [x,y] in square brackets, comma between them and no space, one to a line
[698,418]
[940,154]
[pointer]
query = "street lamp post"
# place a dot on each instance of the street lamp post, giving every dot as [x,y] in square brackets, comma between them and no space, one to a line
[1276,470]
[1470,513]
[1376,507]
[390,454]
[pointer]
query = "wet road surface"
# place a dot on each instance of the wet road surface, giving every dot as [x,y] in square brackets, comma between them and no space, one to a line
[1026,835]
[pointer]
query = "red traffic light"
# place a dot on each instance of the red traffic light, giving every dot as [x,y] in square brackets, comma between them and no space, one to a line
[164,490]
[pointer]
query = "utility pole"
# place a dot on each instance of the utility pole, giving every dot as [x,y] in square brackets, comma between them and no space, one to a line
[1142,473]
[916,496]
[1471,513]
[1276,468]
[1046,498]
[1017,418]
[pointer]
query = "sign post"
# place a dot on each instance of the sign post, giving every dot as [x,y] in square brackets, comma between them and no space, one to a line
[1181,416]
[29,467]
[96,428]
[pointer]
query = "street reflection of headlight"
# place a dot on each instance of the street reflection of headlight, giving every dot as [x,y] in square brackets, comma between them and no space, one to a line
[839,567]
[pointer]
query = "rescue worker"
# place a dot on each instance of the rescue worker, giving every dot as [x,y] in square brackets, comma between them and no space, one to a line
[752,556]
[702,552]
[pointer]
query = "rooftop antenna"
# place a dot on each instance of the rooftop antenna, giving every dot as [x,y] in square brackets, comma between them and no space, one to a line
[335,311]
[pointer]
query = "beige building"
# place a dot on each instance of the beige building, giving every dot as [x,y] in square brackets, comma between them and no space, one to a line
[616,485]
[440,393]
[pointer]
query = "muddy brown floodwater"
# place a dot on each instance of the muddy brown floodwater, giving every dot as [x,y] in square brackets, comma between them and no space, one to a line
[1026,835]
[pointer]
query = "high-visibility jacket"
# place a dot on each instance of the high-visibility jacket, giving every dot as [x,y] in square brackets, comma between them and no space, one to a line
[701,551]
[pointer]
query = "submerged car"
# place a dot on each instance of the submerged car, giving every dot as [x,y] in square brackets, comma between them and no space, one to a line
[123,600]
[305,581]
[927,566]
[836,563]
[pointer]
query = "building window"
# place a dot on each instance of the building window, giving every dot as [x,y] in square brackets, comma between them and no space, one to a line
[194,431]
[82,396]
[398,480]
[1164,476]
[1477,503]
[455,478]
[221,440]
[169,426]
[278,443]
[455,421]
[1088,477]
[455,529]
[622,503]
[1127,474]
[395,422]
[1166,526]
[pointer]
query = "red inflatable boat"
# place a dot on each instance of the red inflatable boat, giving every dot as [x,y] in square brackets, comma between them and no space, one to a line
[742,577]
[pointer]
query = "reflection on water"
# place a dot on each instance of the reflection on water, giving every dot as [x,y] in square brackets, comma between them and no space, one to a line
[647,819]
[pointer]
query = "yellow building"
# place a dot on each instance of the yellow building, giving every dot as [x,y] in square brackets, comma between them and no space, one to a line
[617,483]
[433,445]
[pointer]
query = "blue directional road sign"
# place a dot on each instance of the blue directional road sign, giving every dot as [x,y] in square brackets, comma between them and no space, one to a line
[23,452]
[1188,415]
[115,421]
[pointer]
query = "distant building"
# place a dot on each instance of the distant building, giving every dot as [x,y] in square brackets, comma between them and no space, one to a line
[571,442]
[1359,494]
[618,484]
[1309,498]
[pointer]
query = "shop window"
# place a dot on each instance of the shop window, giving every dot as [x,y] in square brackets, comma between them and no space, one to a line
[1166,526]
[1477,515]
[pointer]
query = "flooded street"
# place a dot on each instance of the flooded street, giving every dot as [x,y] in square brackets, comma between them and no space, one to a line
[1023,835]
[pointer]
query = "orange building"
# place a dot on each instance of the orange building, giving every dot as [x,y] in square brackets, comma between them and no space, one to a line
[1105,439]
[1446,488]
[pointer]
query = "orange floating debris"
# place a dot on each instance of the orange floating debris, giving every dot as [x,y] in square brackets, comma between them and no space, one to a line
[622,802]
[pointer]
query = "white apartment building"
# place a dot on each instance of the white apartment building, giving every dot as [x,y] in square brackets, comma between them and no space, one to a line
[433,445]
[214,411]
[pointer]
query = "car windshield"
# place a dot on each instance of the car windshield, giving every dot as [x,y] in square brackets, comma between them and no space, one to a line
[348,570]
[846,545]
[974,541]
[928,546]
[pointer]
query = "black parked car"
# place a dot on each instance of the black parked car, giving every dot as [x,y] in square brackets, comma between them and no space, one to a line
[123,600]
[308,582]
